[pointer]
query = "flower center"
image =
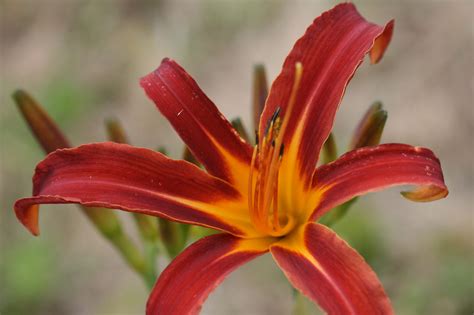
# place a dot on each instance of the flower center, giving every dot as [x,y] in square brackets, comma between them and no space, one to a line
[264,170]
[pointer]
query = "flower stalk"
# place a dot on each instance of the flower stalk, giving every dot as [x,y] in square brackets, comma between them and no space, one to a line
[300,303]
[146,225]
[173,235]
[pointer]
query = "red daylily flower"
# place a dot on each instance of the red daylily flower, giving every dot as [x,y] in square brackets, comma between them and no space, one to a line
[264,199]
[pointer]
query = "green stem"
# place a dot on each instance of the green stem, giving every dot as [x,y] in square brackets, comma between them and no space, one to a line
[151,253]
[173,236]
[336,214]
[108,224]
[329,152]
[299,306]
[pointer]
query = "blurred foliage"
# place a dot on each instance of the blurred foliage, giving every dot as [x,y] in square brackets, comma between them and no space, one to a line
[66,98]
[455,267]
[364,234]
[29,280]
[221,21]
[446,286]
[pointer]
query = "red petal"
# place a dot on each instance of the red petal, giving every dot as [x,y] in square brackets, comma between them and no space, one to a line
[330,52]
[120,176]
[374,168]
[331,273]
[202,127]
[186,283]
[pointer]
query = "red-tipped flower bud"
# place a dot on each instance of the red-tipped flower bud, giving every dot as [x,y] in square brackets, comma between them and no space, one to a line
[43,127]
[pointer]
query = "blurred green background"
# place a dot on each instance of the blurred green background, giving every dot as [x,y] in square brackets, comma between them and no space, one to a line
[82,60]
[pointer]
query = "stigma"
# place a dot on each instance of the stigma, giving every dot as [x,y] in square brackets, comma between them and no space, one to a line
[267,157]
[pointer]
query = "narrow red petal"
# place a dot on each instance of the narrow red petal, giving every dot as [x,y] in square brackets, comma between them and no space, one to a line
[371,169]
[331,273]
[202,127]
[186,283]
[330,51]
[120,176]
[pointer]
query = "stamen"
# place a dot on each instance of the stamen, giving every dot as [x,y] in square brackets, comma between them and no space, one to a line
[276,219]
[267,156]
[263,176]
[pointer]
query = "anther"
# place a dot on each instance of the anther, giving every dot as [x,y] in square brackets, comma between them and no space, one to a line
[276,113]
[272,120]
[267,127]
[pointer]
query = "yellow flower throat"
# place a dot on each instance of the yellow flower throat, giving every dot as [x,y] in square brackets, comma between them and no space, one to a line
[264,170]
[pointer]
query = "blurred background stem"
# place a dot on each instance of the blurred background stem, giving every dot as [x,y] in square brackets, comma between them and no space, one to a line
[151,253]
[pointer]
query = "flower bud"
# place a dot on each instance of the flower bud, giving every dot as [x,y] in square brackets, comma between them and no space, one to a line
[239,127]
[260,93]
[115,131]
[329,151]
[188,156]
[370,128]
[43,127]
[173,235]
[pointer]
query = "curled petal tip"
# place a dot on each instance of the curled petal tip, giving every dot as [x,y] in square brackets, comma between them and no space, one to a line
[381,43]
[372,169]
[28,216]
[426,193]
